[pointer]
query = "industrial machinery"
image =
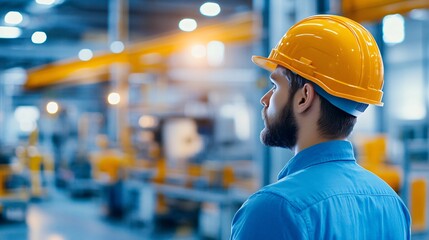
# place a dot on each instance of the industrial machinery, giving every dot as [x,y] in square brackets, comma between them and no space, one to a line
[108,171]
[373,156]
[14,193]
[36,166]
[83,171]
[170,176]
[184,186]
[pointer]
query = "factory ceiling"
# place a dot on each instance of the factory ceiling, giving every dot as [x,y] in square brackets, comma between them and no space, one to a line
[73,25]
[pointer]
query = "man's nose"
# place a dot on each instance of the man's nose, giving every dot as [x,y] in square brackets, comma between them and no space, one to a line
[265,99]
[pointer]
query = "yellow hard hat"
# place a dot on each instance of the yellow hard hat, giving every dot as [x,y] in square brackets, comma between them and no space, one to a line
[334,52]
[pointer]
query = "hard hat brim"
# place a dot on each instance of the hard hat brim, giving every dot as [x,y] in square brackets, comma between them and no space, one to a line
[264,63]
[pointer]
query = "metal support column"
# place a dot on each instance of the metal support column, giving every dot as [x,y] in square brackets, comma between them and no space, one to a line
[2,112]
[425,47]
[118,31]
[381,126]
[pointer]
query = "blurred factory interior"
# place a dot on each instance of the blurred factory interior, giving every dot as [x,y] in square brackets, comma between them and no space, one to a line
[140,119]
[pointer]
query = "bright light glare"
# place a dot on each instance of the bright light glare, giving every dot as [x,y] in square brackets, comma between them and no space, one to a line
[412,104]
[241,116]
[242,123]
[52,107]
[117,47]
[215,53]
[113,98]
[198,51]
[419,14]
[38,37]
[13,18]
[227,111]
[27,126]
[45,2]
[29,113]
[393,29]
[151,58]
[413,112]
[85,54]
[55,237]
[188,24]
[9,32]
[146,121]
[27,117]
[14,76]
[210,9]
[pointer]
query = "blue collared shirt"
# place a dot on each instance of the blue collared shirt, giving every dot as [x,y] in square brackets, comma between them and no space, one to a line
[322,193]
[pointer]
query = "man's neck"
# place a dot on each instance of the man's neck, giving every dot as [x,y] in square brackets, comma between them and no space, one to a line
[308,141]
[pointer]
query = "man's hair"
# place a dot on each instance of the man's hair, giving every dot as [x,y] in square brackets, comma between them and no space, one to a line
[333,122]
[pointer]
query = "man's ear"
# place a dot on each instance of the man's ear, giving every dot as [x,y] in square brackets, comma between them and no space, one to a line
[305,98]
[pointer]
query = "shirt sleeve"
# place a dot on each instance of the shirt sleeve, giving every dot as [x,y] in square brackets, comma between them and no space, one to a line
[268,216]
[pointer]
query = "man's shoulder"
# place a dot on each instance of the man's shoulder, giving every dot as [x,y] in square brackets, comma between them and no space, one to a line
[315,184]
[291,190]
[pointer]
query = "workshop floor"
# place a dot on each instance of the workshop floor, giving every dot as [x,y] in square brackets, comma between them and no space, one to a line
[61,218]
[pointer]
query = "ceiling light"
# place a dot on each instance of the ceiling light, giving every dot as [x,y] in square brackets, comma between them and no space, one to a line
[9,32]
[393,29]
[85,54]
[38,37]
[210,9]
[188,24]
[52,107]
[117,47]
[13,18]
[45,2]
[113,98]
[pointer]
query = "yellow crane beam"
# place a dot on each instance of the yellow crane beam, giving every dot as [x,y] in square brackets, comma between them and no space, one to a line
[240,28]
[374,10]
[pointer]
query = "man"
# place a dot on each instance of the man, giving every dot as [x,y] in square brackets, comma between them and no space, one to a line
[325,71]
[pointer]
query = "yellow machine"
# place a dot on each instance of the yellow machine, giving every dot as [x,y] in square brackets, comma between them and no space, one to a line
[108,165]
[374,158]
[35,165]
[108,170]
[22,175]
[13,191]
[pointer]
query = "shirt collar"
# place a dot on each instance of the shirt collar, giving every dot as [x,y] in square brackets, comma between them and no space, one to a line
[320,153]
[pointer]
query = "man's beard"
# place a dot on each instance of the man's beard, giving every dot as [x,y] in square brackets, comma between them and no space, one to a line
[282,130]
